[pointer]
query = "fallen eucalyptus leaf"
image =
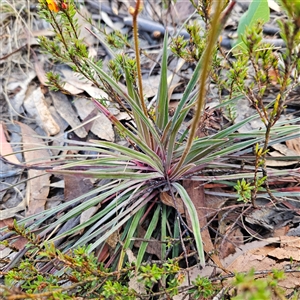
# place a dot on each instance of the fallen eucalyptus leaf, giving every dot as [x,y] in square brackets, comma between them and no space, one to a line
[67,112]
[38,180]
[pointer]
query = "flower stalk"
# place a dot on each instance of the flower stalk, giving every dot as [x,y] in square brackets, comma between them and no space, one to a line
[134,12]
[215,30]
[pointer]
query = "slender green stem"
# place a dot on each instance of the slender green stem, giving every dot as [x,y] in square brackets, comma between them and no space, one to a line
[215,29]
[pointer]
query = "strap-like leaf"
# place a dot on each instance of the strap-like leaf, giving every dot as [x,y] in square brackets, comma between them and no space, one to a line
[162,109]
[258,10]
[194,219]
[148,234]
[131,102]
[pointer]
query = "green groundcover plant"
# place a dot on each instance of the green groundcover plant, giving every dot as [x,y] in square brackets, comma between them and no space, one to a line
[158,156]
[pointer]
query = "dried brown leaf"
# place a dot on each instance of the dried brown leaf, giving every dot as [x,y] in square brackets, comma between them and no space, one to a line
[168,200]
[134,282]
[11,212]
[152,245]
[5,147]
[234,239]
[39,69]
[67,112]
[76,186]
[101,126]
[294,145]
[87,214]
[113,240]
[17,86]
[38,183]
[284,150]
[37,108]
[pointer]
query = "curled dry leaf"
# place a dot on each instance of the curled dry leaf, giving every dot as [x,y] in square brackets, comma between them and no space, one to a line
[75,84]
[39,180]
[11,212]
[270,217]
[101,126]
[18,86]
[286,151]
[289,248]
[67,112]
[37,108]
[264,255]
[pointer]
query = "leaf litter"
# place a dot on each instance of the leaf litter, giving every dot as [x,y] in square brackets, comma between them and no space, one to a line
[37,111]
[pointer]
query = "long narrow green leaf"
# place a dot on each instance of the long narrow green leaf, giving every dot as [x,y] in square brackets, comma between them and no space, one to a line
[130,101]
[119,160]
[271,173]
[112,174]
[225,132]
[139,205]
[176,233]
[162,108]
[143,130]
[163,232]
[177,122]
[171,140]
[122,237]
[114,213]
[87,204]
[114,207]
[156,164]
[225,103]
[42,216]
[237,139]
[140,143]
[113,225]
[258,10]
[284,138]
[194,219]
[217,22]
[188,90]
[200,149]
[227,150]
[181,112]
[129,81]
[148,234]
[132,230]
[182,171]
